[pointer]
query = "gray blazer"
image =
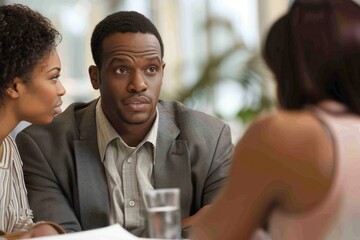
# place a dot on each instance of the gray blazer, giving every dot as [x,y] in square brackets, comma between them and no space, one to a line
[66,179]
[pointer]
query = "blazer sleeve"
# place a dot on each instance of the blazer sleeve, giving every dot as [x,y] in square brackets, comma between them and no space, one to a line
[220,166]
[43,186]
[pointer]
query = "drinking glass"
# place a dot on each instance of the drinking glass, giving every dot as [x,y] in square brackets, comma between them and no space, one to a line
[163,213]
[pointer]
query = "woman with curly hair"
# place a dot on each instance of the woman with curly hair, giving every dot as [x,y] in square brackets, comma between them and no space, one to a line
[30,90]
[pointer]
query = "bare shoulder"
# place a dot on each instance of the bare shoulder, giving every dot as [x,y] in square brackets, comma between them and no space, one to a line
[291,132]
[276,164]
[296,151]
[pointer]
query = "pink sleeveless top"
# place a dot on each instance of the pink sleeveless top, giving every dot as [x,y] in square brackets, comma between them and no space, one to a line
[338,215]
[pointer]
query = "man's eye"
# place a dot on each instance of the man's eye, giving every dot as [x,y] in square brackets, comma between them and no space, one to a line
[121,70]
[152,70]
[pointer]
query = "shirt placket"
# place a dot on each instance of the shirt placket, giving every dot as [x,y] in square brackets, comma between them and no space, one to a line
[131,192]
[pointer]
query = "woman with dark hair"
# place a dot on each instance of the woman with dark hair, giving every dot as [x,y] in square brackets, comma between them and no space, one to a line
[30,90]
[295,172]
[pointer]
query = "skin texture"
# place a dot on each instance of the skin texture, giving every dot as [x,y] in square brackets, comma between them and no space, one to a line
[39,100]
[276,155]
[36,101]
[38,231]
[129,81]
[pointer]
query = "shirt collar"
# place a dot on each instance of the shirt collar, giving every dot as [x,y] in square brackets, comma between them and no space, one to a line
[106,133]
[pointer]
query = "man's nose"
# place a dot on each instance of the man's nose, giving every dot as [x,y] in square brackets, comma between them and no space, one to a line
[137,82]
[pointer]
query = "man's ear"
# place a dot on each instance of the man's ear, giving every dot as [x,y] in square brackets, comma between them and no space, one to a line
[13,90]
[94,76]
[163,67]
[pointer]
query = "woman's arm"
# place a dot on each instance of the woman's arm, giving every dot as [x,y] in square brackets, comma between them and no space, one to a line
[274,166]
[38,229]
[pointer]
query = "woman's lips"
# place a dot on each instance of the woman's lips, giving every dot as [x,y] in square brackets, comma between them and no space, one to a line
[57,108]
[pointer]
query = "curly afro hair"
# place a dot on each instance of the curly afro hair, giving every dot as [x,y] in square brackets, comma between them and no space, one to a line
[26,37]
[121,22]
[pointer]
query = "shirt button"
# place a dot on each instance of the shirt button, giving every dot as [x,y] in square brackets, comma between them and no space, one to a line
[129,160]
[132,203]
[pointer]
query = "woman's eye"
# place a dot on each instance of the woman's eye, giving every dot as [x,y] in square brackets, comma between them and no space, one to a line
[56,77]
[121,70]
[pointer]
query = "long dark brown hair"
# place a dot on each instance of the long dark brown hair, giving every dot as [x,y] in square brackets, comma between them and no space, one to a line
[314,52]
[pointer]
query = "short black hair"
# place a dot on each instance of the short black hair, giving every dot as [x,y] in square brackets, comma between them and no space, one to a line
[123,22]
[26,37]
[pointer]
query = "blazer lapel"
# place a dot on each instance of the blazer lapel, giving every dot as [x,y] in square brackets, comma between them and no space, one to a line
[91,177]
[172,165]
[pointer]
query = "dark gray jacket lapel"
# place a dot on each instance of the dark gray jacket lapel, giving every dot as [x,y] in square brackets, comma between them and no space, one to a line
[172,166]
[91,177]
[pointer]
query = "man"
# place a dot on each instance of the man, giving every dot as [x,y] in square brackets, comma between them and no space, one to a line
[92,165]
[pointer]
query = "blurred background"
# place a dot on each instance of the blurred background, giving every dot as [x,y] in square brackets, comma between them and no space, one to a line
[212,50]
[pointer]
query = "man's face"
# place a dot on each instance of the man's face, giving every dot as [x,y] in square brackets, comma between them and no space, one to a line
[130,78]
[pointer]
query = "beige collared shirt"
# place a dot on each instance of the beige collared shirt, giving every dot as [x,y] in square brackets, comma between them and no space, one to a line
[129,172]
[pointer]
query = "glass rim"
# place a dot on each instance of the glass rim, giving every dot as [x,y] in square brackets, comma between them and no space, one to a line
[163,190]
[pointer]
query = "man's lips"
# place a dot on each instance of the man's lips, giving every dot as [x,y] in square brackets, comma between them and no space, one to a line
[137,100]
[137,103]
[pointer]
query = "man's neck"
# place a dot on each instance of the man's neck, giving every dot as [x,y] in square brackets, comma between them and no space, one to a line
[133,135]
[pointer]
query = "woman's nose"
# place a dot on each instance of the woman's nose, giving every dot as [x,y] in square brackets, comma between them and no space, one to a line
[61,89]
